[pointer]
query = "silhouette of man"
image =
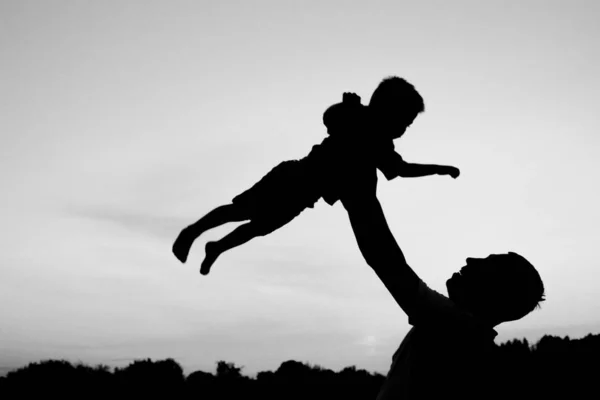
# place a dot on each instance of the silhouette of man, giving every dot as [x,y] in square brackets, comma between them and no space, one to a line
[448,353]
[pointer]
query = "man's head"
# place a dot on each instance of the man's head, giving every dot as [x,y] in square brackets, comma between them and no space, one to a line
[395,104]
[498,288]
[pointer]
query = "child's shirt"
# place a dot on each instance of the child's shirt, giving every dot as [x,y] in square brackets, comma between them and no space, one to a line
[350,141]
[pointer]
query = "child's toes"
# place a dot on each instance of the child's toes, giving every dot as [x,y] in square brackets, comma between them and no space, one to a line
[211,256]
[181,248]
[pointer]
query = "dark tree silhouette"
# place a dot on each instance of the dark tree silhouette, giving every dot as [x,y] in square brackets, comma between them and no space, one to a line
[553,367]
[228,371]
[146,377]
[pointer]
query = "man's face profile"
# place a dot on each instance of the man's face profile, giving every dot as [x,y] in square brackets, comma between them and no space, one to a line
[476,283]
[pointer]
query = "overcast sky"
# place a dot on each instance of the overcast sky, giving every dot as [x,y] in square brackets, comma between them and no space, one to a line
[123,121]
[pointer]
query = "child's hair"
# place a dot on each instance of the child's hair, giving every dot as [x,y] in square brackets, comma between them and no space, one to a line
[394,91]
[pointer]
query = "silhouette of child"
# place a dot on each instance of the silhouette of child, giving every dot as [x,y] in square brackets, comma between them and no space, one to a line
[358,135]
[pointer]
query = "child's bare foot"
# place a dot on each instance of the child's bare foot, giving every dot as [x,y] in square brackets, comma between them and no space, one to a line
[212,253]
[182,245]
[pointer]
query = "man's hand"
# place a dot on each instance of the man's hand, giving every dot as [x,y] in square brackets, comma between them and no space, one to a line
[351,98]
[452,171]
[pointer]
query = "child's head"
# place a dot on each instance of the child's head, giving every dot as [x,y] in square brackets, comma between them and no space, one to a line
[395,104]
[498,288]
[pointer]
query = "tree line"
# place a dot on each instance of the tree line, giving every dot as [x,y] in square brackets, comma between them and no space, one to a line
[553,367]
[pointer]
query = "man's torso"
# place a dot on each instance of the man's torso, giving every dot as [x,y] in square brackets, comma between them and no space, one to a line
[446,356]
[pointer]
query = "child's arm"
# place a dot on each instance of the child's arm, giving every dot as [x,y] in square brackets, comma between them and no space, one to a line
[408,170]
[392,166]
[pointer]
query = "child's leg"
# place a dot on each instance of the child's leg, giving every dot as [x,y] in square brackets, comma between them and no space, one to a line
[219,216]
[260,226]
[239,236]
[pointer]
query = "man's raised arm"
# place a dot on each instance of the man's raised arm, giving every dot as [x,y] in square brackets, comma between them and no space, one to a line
[380,250]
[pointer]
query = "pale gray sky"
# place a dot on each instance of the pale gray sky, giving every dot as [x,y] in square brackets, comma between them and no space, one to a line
[123,121]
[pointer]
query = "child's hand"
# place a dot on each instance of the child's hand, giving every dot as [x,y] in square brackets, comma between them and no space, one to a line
[452,171]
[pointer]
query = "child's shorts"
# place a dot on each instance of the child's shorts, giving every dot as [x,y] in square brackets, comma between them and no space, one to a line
[280,196]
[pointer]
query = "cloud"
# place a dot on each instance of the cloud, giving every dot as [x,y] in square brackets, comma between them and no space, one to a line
[154,225]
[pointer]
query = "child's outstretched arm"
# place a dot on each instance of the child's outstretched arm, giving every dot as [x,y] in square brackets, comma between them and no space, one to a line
[409,170]
[393,166]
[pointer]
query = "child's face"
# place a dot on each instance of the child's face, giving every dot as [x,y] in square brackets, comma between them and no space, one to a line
[394,124]
[403,123]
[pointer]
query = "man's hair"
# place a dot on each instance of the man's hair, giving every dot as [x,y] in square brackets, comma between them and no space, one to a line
[526,287]
[394,91]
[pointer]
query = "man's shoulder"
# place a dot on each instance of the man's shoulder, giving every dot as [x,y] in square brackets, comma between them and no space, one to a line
[431,304]
[435,310]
